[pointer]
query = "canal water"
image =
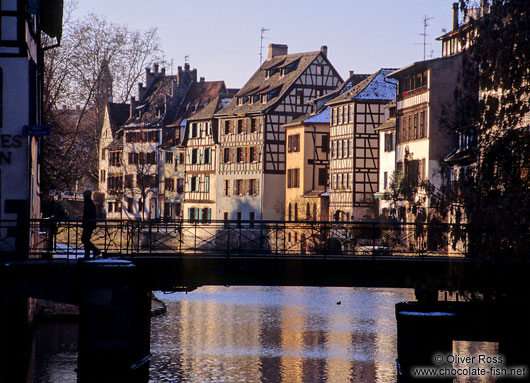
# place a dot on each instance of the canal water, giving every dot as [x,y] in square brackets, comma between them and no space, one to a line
[255,334]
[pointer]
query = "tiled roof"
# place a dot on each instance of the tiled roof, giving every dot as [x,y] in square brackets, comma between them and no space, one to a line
[374,87]
[199,96]
[118,115]
[208,111]
[388,124]
[260,83]
[117,144]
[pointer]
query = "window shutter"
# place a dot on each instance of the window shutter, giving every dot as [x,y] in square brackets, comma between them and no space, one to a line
[209,212]
[257,186]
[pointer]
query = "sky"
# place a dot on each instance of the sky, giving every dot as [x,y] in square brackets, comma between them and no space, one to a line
[222,37]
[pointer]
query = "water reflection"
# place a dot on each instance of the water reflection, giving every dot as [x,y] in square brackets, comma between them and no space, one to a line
[270,334]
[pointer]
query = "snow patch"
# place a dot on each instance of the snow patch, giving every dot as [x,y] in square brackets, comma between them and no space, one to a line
[322,117]
[426,314]
[380,88]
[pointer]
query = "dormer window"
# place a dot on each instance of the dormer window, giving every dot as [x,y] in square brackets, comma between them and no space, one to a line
[240,101]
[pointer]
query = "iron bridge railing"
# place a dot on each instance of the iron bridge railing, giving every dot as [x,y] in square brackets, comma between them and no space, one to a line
[129,238]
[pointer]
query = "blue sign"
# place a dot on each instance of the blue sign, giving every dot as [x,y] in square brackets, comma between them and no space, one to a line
[36,130]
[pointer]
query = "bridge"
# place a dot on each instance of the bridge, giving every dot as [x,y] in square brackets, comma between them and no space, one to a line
[141,256]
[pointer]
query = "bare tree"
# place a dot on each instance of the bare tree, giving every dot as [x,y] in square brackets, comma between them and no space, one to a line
[97,62]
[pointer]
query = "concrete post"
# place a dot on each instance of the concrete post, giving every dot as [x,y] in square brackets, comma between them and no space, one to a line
[423,334]
[114,327]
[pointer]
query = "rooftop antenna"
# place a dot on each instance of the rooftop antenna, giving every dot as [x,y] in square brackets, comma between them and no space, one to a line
[171,67]
[426,18]
[263,30]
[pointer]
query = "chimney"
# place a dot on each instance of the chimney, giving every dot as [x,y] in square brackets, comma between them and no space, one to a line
[155,68]
[202,79]
[140,90]
[163,71]
[148,77]
[455,16]
[277,50]
[351,73]
[324,50]
[133,107]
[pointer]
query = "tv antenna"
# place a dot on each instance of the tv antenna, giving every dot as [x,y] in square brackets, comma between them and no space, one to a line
[426,19]
[263,30]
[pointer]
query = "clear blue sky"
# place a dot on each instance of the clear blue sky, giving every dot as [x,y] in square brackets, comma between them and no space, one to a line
[222,37]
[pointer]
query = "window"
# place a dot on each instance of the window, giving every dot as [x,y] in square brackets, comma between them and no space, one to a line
[227,127]
[253,187]
[130,205]
[226,190]
[409,133]
[115,158]
[252,125]
[315,218]
[308,211]
[129,181]
[239,126]
[339,149]
[385,180]
[193,214]
[206,215]
[389,142]
[180,185]
[239,155]
[293,143]
[169,157]
[325,143]
[194,130]
[340,109]
[181,158]
[226,155]
[207,184]
[207,156]
[102,154]
[238,188]
[293,178]
[299,97]
[252,154]
[422,125]
[225,217]
[238,215]
[102,176]
[193,183]
[290,211]
[416,136]
[194,156]
[322,176]
[170,184]
[251,217]
[295,213]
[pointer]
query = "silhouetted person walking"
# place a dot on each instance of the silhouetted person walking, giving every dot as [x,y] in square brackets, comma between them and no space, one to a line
[89,224]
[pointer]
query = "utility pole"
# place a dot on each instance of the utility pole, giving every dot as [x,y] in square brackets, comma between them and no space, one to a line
[263,30]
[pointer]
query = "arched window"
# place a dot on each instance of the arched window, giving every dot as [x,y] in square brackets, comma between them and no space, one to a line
[308,211]
[315,212]
[290,211]
[296,211]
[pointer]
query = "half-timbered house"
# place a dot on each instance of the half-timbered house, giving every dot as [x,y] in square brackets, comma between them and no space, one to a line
[184,174]
[110,158]
[201,156]
[251,176]
[354,146]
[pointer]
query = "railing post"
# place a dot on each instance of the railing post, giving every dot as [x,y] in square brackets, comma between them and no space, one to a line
[228,239]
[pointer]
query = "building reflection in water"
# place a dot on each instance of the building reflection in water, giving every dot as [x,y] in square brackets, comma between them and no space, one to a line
[269,334]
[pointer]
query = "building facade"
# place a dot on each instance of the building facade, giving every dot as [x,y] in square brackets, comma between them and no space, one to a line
[387,162]
[21,53]
[354,146]
[252,164]
[425,94]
